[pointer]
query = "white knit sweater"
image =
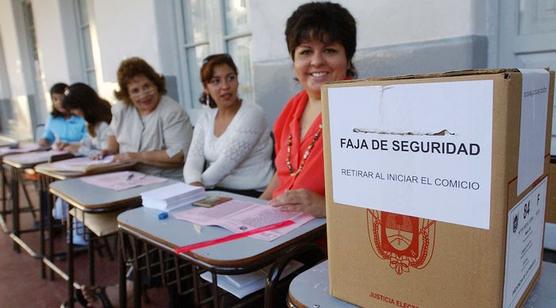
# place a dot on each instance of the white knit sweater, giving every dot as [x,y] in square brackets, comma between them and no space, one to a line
[239,159]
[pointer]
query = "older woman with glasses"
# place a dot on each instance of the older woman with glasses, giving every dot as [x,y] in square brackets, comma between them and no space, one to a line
[149,127]
[231,148]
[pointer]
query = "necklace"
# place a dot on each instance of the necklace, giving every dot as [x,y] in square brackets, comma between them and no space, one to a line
[294,173]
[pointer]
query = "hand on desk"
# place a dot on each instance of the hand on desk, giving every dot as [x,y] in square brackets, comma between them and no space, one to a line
[72,148]
[43,143]
[126,157]
[301,200]
[59,145]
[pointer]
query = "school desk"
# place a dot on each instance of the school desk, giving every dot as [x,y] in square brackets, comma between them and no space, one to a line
[48,175]
[17,164]
[92,200]
[4,151]
[231,258]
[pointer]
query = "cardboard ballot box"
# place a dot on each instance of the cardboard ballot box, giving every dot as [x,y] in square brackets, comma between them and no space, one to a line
[436,187]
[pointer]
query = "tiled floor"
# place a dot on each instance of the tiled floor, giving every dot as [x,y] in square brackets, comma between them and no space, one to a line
[21,284]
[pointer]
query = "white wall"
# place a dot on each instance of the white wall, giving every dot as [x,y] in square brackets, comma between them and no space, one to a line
[125,28]
[380,22]
[12,50]
[51,47]
[17,67]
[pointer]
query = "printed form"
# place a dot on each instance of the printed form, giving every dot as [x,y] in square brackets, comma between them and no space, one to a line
[240,216]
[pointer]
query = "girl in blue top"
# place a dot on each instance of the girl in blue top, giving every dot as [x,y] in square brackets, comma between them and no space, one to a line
[62,128]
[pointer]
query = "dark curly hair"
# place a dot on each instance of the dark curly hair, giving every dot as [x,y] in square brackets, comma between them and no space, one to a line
[57,88]
[95,109]
[207,72]
[327,22]
[131,68]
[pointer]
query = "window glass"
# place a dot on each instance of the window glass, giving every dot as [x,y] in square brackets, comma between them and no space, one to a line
[86,42]
[196,21]
[239,49]
[195,57]
[236,16]
[210,27]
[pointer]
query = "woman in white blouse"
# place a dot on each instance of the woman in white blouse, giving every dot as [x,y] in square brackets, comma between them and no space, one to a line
[149,127]
[231,147]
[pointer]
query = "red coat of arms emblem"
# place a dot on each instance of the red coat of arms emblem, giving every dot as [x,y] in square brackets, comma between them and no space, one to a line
[403,241]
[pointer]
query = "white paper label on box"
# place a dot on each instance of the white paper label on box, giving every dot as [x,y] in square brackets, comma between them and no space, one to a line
[524,243]
[421,150]
[532,134]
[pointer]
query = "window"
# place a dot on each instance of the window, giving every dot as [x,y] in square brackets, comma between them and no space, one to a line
[84,34]
[21,128]
[208,27]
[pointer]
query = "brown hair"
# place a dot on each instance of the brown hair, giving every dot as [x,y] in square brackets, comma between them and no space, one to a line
[57,88]
[325,21]
[95,109]
[131,68]
[207,72]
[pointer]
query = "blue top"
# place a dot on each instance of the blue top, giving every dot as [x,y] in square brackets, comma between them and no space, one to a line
[70,130]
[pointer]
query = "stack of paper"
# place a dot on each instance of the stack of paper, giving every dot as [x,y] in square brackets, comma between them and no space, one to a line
[172,196]
[245,284]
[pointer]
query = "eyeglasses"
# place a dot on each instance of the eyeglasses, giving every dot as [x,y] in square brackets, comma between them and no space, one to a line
[141,92]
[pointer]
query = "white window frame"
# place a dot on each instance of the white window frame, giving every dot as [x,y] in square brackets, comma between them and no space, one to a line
[81,26]
[217,43]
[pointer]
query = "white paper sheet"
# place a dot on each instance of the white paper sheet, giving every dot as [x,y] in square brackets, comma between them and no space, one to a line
[240,216]
[379,135]
[243,285]
[532,131]
[122,180]
[524,243]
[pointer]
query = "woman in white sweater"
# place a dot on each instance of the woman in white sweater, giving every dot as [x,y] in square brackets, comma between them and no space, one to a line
[231,147]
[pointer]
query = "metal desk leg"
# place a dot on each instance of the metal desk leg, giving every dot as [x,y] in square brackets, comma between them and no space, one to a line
[122,270]
[4,199]
[49,203]
[14,190]
[215,289]
[43,197]
[196,285]
[91,253]
[136,277]
[70,258]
